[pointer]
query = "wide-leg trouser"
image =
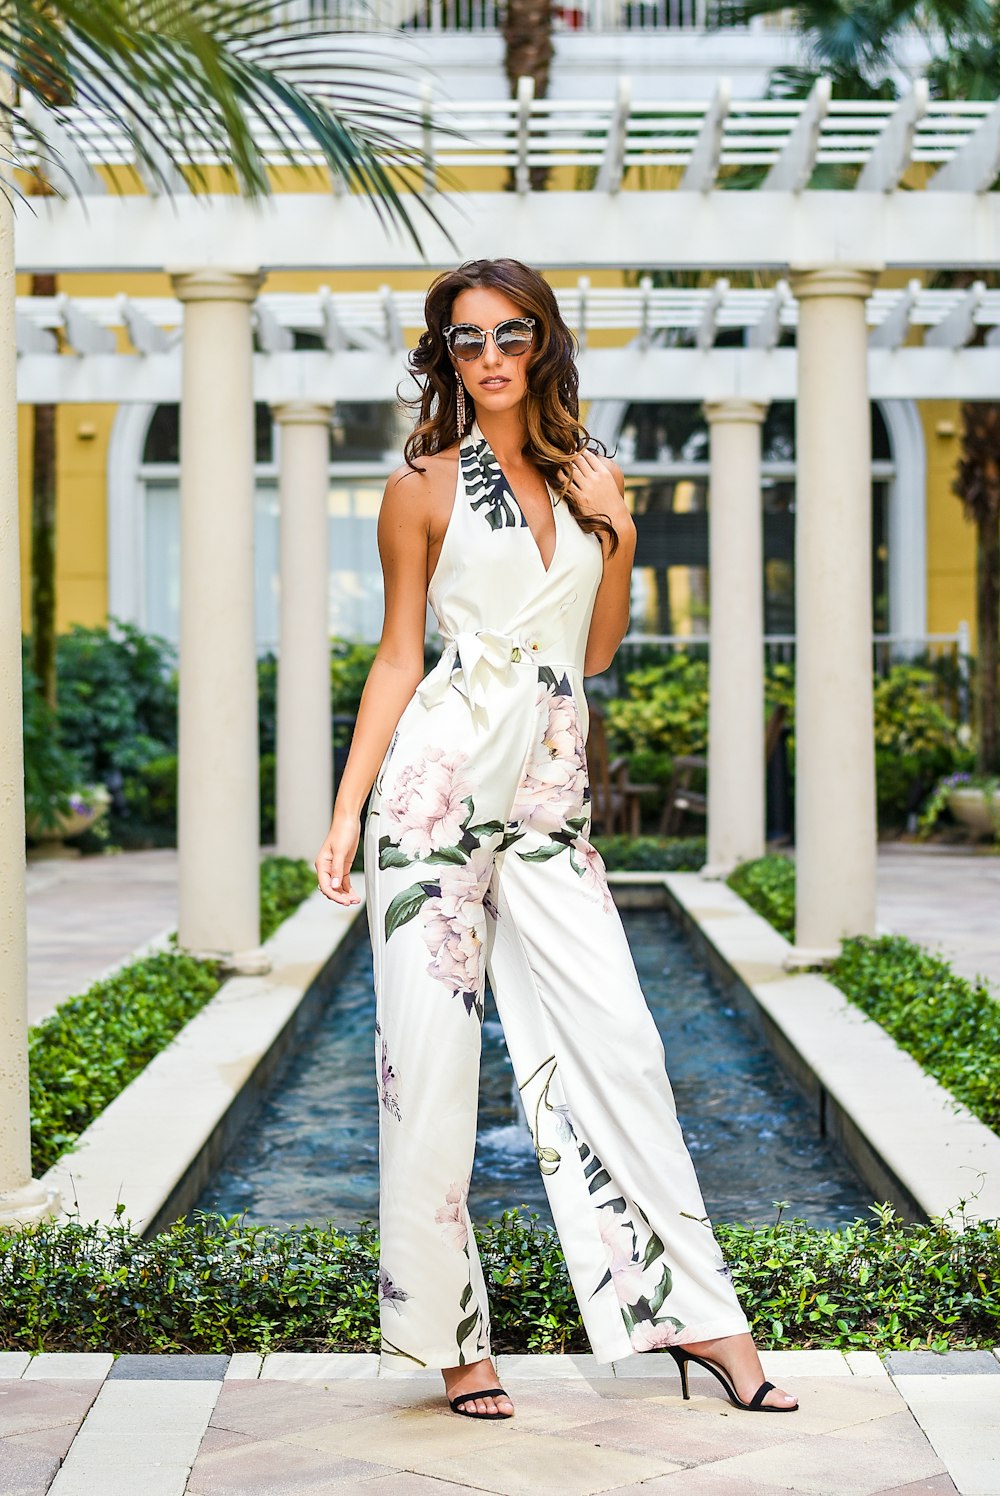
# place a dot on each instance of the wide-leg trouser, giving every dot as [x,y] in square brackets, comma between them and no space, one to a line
[644,1262]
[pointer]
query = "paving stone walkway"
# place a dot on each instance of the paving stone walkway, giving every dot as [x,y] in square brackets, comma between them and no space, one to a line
[906,1424]
[947,900]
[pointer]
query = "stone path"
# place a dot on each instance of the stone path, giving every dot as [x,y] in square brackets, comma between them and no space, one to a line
[908,1424]
[945,899]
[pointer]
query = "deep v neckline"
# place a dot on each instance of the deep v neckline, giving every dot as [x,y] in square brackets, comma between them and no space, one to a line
[477,436]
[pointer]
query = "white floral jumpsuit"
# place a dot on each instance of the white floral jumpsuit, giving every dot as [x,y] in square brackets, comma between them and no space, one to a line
[477,861]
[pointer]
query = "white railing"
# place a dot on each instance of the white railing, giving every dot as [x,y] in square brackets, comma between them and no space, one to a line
[600,16]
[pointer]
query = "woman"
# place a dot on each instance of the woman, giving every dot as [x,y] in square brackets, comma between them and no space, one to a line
[477,861]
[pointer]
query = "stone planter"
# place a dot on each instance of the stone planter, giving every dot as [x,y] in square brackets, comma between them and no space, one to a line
[72,822]
[968,804]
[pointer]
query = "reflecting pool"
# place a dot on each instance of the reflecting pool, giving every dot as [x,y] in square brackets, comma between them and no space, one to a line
[310,1151]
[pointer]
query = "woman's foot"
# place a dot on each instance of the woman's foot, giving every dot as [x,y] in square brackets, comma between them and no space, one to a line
[472,1378]
[737,1355]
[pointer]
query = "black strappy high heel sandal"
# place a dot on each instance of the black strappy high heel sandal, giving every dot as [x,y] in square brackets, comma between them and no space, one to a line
[455,1403]
[756,1403]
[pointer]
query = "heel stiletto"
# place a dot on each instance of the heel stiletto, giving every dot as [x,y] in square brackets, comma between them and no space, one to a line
[756,1403]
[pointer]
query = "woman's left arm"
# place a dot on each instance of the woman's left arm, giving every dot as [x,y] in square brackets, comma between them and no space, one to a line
[598,486]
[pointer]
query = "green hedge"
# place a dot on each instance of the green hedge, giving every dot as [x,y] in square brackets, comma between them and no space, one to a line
[213,1285]
[652,854]
[768,885]
[950,1026]
[92,1046]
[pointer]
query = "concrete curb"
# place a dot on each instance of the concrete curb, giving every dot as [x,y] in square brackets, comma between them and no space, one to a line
[158,1143]
[910,1140]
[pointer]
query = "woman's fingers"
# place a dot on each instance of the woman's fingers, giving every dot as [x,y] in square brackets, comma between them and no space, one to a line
[333,873]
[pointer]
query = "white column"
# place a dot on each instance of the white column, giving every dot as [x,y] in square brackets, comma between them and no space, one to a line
[835,825]
[304,731]
[736,820]
[22,1198]
[218,811]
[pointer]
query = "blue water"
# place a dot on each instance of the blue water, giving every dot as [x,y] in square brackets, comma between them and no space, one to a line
[310,1152]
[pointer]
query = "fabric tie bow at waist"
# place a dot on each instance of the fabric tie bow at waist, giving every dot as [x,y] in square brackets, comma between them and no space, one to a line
[483,655]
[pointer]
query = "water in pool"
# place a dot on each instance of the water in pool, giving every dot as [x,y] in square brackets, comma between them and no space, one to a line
[310,1151]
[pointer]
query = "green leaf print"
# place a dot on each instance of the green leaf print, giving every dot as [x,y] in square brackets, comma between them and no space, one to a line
[660,1292]
[548,1159]
[654,1249]
[450,856]
[463,1332]
[405,905]
[486,828]
[543,854]
[599,1180]
[390,855]
[464,1301]
[577,823]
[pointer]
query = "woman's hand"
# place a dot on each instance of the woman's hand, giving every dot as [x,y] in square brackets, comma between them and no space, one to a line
[334,859]
[594,485]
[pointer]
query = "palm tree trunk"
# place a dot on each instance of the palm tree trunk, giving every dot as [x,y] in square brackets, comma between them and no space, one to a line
[978,486]
[528,53]
[43,532]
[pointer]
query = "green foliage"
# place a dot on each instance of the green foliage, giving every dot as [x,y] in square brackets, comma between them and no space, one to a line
[86,1052]
[117,697]
[951,1026]
[349,667]
[664,713]
[211,1284]
[768,885]
[654,854]
[915,740]
[51,769]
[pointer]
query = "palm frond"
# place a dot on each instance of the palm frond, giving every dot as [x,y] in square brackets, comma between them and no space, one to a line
[185,87]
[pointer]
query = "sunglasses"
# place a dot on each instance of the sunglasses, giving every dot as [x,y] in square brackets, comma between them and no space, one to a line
[467,341]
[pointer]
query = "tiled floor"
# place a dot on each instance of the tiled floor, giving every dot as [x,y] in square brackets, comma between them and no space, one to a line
[292,1425]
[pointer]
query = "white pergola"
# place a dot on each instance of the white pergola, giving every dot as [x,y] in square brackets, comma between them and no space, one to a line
[635,185]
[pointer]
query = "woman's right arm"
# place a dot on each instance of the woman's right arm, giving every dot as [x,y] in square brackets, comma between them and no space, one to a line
[396,670]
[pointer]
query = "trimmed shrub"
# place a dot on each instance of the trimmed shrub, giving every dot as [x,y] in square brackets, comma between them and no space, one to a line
[211,1284]
[768,885]
[653,854]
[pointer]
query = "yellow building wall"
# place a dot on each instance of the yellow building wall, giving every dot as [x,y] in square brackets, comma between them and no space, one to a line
[951,540]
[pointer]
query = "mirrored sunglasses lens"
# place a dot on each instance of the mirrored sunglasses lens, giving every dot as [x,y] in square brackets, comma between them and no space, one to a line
[514,337]
[467,343]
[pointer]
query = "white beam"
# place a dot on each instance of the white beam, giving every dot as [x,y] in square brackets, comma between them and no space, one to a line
[83,334]
[34,339]
[958,326]
[583,289]
[703,167]
[794,167]
[646,294]
[334,337]
[891,331]
[272,335]
[766,334]
[708,324]
[661,374]
[525,97]
[59,158]
[893,151]
[612,168]
[145,335]
[393,327]
[976,164]
[634,230]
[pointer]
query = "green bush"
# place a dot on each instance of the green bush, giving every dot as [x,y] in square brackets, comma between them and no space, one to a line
[209,1284]
[51,769]
[768,885]
[86,1052]
[653,854]
[915,741]
[117,697]
[664,713]
[949,1025]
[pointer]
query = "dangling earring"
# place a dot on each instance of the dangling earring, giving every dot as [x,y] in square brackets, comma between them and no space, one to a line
[460,404]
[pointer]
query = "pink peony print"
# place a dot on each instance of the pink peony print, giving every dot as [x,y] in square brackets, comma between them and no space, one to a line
[589,863]
[452,1217]
[651,1337]
[453,925]
[554,783]
[426,801]
[619,1241]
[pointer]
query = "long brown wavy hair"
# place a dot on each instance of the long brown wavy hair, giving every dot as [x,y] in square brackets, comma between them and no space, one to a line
[552,405]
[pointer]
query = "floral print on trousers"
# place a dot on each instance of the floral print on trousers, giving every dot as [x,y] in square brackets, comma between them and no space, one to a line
[478,862]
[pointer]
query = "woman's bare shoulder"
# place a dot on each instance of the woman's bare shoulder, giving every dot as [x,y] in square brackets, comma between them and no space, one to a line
[428,477]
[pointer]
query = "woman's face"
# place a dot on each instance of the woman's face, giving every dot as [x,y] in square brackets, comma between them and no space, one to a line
[495,381]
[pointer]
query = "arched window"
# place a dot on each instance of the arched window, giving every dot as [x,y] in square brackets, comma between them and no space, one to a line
[664,452]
